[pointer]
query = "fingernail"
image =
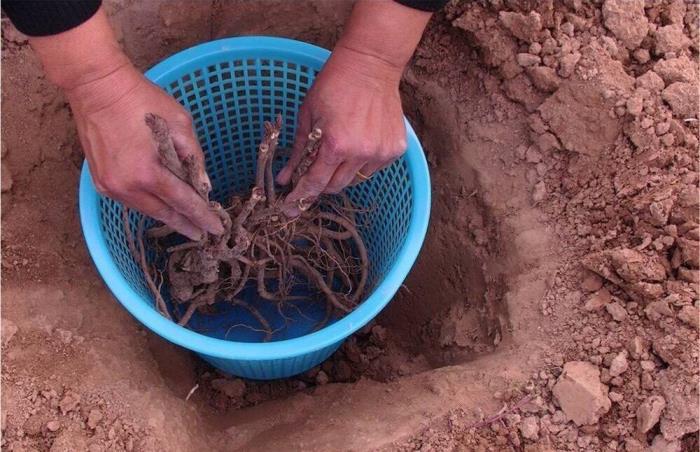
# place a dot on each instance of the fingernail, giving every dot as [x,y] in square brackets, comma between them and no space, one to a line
[283,176]
[193,233]
[217,228]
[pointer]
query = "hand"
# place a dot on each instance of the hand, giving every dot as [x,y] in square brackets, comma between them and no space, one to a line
[110,99]
[355,102]
[124,163]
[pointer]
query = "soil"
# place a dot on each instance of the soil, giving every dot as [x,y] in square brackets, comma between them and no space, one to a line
[555,302]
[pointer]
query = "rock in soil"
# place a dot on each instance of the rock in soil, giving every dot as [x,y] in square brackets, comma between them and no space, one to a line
[619,364]
[616,311]
[649,413]
[530,428]
[690,316]
[682,99]
[580,393]
[94,418]
[9,329]
[598,300]
[660,444]
[626,19]
[6,177]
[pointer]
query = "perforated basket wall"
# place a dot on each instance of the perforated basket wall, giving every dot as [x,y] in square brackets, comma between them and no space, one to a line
[229,96]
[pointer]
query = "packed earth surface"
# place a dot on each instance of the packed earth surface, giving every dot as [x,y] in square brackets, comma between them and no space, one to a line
[554,305]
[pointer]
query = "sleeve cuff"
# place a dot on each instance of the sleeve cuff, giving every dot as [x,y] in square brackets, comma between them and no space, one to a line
[44,18]
[424,5]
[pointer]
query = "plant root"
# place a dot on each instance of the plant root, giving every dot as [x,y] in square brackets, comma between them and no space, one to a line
[261,244]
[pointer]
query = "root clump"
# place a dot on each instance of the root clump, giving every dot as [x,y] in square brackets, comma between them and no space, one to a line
[261,244]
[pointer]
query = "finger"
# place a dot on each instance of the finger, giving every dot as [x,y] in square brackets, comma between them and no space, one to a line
[186,145]
[153,207]
[368,171]
[181,197]
[311,184]
[344,176]
[300,137]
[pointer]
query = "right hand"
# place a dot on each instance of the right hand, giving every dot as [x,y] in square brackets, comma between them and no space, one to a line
[122,155]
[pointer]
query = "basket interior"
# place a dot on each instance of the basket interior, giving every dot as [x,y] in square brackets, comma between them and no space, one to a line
[229,97]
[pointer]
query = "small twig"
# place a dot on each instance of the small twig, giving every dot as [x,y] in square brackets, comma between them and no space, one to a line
[501,414]
[189,394]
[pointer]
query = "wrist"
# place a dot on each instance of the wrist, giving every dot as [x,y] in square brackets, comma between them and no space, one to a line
[365,67]
[76,70]
[100,92]
[80,55]
[383,35]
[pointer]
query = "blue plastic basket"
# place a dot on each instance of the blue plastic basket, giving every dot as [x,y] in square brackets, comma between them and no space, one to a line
[230,87]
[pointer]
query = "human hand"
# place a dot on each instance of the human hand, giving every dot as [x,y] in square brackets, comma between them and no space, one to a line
[122,155]
[110,99]
[355,102]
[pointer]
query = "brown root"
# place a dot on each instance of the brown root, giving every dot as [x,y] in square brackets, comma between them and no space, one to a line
[143,262]
[260,243]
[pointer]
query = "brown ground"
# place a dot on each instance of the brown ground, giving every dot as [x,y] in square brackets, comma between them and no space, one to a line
[558,285]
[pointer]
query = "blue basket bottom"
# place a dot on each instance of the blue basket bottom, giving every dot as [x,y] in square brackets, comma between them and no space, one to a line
[234,322]
[275,368]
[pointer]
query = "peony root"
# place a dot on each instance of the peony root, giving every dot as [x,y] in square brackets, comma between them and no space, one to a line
[261,245]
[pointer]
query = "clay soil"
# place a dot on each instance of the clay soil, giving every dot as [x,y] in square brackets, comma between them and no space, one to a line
[555,302]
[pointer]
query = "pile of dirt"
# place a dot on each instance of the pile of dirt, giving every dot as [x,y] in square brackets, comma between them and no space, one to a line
[554,305]
[62,420]
[612,158]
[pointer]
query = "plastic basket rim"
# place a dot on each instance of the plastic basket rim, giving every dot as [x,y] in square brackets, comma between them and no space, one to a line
[258,351]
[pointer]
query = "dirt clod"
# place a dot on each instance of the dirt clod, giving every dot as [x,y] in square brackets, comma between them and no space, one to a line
[616,311]
[53,426]
[580,393]
[94,418]
[233,388]
[6,178]
[69,402]
[619,364]
[626,19]
[690,315]
[682,99]
[529,428]
[649,413]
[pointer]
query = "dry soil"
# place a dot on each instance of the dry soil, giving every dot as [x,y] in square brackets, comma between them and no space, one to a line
[554,305]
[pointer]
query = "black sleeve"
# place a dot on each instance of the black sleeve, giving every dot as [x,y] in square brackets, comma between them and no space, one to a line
[48,17]
[424,5]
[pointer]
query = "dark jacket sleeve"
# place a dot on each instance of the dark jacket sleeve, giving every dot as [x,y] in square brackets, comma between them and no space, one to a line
[424,5]
[48,17]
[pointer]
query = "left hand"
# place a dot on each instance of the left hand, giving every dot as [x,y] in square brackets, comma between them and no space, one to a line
[355,102]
